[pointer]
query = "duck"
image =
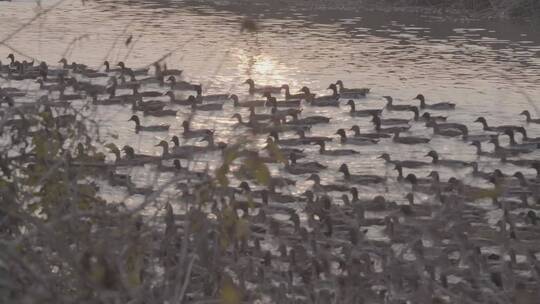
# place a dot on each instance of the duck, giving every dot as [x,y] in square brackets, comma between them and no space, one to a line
[176,168]
[361,141]
[475,137]
[318,187]
[323,101]
[480,152]
[517,162]
[189,133]
[359,91]
[141,158]
[151,105]
[289,96]
[288,141]
[336,152]
[310,120]
[246,104]
[313,165]
[513,143]
[356,130]
[507,150]
[160,112]
[435,106]
[528,117]
[252,123]
[209,98]
[258,117]
[108,68]
[377,123]
[360,179]
[411,164]
[153,128]
[129,71]
[426,116]
[312,139]
[261,89]
[420,185]
[51,87]
[391,107]
[409,140]
[446,162]
[185,152]
[71,66]
[362,113]
[480,174]
[207,107]
[390,121]
[189,148]
[447,132]
[274,103]
[526,138]
[486,127]
[296,169]
[181,102]
[447,125]
[146,93]
[179,85]
[274,149]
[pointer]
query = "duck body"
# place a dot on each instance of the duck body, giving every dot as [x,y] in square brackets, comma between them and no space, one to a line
[356,130]
[248,103]
[188,133]
[362,113]
[409,140]
[261,89]
[153,128]
[435,106]
[528,119]
[391,107]
[207,107]
[392,121]
[359,141]
[452,163]
[411,164]
[360,179]
[336,152]
[310,120]
[356,92]
[376,122]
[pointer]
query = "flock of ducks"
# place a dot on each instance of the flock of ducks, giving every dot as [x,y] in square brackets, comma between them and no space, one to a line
[441,245]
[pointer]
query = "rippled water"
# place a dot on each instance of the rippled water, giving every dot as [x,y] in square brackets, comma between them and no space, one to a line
[487,69]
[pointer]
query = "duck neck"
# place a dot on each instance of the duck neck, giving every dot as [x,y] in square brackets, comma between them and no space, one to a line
[400,173]
[353,107]
[334,91]
[346,173]
[512,139]
[165,149]
[435,159]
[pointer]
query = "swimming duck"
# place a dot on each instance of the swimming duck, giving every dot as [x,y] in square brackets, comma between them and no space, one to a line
[377,123]
[356,130]
[252,123]
[311,139]
[411,164]
[419,185]
[296,169]
[108,68]
[206,107]
[480,174]
[247,104]
[327,100]
[390,121]
[310,120]
[273,102]
[475,137]
[480,152]
[409,140]
[359,91]
[507,150]
[336,152]
[212,145]
[318,187]
[261,89]
[360,179]
[426,116]
[526,145]
[50,87]
[258,117]
[181,102]
[313,165]
[391,107]
[435,106]
[129,71]
[190,148]
[154,128]
[446,162]
[176,152]
[151,105]
[209,98]
[274,148]
[188,133]
[528,117]
[180,85]
[484,123]
[142,158]
[526,138]
[289,96]
[288,141]
[355,140]
[146,93]
[362,113]
[447,132]
[160,113]
[447,125]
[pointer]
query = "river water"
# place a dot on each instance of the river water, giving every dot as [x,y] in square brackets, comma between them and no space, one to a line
[489,69]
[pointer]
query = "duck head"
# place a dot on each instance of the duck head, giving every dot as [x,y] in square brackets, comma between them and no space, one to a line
[355,129]
[11,57]
[244,186]
[344,169]
[481,120]
[176,141]
[171,79]
[339,83]
[63,61]
[305,90]
[135,118]
[433,154]
[250,82]
[526,113]
[389,99]
[185,125]
[237,116]
[121,64]
[411,178]
[341,132]
[420,97]
[234,98]
[129,151]
[350,102]
[385,156]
